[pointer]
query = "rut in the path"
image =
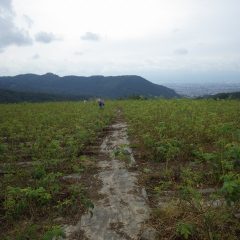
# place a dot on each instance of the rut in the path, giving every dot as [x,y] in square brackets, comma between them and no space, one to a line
[122,211]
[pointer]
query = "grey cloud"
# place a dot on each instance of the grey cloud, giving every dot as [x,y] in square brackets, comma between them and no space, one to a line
[46,37]
[90,36]
[181,51]
[28,20]
[11,34]
[35,56]
[5,4]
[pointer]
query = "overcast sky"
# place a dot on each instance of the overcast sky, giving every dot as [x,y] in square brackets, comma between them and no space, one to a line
[162,40]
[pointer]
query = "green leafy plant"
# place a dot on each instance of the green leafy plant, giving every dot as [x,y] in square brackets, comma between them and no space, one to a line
[54,233]
[20,200]
[185,230]
[38,171]
[231,188]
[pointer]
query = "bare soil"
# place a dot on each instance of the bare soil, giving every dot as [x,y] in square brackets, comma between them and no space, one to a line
[121,209]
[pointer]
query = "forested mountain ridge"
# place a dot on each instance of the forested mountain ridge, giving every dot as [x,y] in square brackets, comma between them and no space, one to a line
[9,96]
[95,86]
[231,95]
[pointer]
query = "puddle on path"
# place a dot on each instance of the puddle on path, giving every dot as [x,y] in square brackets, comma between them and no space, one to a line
[122,211]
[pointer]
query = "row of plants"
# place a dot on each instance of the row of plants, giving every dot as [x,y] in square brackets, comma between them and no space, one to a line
[190,147]
[39,144]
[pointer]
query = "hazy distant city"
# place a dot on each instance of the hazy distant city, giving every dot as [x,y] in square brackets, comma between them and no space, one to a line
[198,89]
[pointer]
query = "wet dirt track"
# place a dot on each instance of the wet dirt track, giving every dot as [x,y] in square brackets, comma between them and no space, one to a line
[122,211]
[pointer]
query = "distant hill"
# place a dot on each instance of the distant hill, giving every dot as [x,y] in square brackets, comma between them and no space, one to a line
[95,86]
[232,95]
[9,96]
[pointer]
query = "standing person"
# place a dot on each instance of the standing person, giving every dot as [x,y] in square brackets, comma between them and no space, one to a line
[100,103]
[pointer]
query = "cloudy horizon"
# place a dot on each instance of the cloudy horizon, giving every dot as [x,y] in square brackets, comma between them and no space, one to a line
[161,40]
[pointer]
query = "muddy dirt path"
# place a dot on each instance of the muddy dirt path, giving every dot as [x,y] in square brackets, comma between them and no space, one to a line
[122,210]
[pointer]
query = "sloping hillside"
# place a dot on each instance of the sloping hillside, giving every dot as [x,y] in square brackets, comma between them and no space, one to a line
[9,96]
[97,86]
[232,95]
